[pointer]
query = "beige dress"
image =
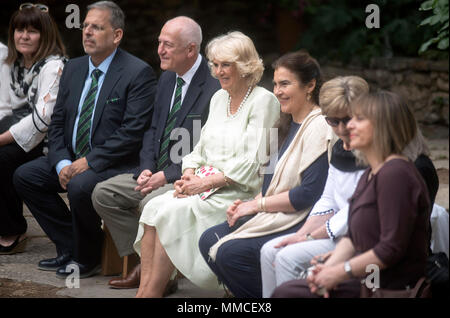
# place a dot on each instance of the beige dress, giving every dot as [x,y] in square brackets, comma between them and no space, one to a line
[231,144]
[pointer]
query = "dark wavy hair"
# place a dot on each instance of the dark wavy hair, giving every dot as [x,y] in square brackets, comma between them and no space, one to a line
[305,68]
[50,42]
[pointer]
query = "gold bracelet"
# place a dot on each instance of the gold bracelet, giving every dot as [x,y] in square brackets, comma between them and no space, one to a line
[226,180]
[263,204]
[260,204]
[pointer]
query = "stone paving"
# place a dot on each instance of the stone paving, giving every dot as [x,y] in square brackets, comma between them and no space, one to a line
[23,267]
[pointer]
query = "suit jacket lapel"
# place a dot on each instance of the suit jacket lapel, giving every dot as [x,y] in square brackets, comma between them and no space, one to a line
[111,77]
[77,85]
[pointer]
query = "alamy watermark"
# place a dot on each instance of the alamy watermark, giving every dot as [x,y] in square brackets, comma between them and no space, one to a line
[256,146]
[73,279]
[73,19]
[372,281]
[373,19]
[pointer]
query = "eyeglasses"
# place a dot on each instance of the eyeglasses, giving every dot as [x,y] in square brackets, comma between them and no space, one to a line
[40,6]
[95,28]
[334,121]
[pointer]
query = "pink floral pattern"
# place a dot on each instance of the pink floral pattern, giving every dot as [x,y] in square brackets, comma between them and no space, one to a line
[205,171]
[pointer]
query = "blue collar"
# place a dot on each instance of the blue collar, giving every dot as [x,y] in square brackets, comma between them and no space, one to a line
[103,65]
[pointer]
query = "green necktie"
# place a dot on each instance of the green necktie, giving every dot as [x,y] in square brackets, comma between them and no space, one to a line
[85,119]
[164,159]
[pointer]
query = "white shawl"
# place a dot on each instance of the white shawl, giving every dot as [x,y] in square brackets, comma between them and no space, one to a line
[313,138]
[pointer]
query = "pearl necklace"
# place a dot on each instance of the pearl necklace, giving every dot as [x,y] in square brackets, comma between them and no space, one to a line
[230,115]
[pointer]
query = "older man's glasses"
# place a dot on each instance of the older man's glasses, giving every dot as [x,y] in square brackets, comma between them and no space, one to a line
[28,5]
[334,121]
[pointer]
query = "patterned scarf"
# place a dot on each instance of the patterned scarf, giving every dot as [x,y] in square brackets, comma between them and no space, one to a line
[25,84]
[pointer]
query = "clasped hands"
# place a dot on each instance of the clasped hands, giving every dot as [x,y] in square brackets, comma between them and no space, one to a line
[240,208]
[325,277]
[147,181]
[190,184]
[70,171]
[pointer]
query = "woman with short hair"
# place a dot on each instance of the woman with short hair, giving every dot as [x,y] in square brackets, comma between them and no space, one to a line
[287,194]
[35,61]
[224,166]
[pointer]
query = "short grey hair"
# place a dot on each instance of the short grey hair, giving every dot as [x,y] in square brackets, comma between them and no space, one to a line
[191,32]
[117,17]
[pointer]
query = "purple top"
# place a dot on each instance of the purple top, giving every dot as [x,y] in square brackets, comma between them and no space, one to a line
[390,214]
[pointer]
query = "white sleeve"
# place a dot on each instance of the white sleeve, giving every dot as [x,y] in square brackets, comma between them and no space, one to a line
[5,104]
[24,132]
[327,203]
[337,225]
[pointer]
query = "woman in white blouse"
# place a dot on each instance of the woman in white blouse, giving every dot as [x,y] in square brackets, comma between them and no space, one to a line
[285,257]
[29,85]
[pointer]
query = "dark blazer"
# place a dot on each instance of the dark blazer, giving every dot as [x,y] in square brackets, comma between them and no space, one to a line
[195,107]
[122,114]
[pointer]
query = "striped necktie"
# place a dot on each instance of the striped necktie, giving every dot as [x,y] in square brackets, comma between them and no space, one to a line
[164,159]
[85,119]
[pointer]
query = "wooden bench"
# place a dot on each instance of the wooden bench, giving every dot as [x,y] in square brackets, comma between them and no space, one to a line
[112,263]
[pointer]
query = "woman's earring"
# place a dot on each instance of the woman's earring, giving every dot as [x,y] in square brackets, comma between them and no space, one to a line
[308,97]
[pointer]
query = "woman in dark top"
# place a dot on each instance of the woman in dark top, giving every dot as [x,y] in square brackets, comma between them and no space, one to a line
[388,223]
[233,253]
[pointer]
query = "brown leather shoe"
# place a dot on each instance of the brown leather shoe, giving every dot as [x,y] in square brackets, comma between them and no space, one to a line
[131,281]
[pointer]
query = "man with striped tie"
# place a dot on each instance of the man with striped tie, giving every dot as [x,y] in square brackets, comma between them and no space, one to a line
[181,106]
[104,106]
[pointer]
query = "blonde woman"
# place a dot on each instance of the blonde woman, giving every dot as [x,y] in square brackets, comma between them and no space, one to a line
[288,194]
[241,113]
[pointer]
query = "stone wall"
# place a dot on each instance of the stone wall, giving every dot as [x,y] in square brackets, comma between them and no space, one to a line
[423,83]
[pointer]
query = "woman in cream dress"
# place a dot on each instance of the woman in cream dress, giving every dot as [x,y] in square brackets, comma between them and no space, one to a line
[232,145]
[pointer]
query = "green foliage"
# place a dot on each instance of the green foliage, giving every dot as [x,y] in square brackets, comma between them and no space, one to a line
[337,29]
[439,19]
[287,4]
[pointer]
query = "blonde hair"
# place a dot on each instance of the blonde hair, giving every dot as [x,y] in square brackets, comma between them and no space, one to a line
[236,47]
[393,122]
[336,94]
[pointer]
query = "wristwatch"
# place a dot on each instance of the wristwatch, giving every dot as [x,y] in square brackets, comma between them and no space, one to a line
[309,237]
[348,269]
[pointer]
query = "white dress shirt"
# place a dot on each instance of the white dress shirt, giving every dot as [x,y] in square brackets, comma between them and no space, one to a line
[187,78]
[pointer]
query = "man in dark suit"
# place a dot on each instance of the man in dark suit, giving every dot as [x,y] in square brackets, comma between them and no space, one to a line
[104,105]
[181,106]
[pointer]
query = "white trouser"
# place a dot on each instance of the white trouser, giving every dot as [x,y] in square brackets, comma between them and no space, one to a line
[279,265]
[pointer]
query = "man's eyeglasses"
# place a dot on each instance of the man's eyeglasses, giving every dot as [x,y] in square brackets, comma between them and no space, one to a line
[334,121]
[96,28]
[40,6]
